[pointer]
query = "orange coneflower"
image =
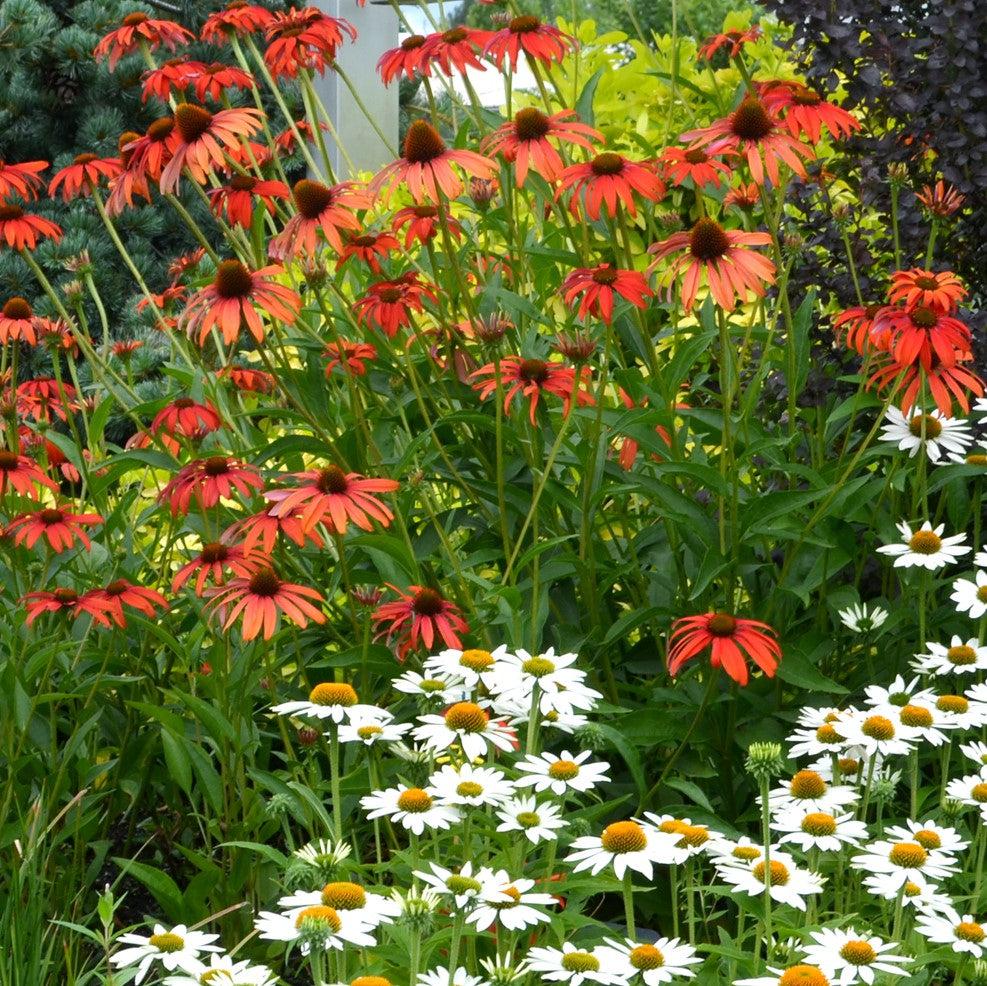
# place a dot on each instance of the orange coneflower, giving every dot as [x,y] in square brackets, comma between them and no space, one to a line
[369,248]
[525,141]
[598,287]
[304,39]
[421,614]
[629,447]
[235,298]
[328,209]
[21,230]
[260,531]
[58,526]
[858,324]
[235,200]
[23,179]
[805,113]
[236,18]
[83,175]
[43,396]
[427,167]
[185,263]
[916,334]
[213,561]
[946,382]
[389,304]
[137,30]
[260,598]
[335,498]
[122,592]
[456,49]
[125,348]
[423,224]
[731,639]
[531,378]
[919,288]
[247,378]
[682,164]
[351,355]
[541,42]
[214,79]
[734,40]
[404,60]
[941,200]
[746,195]
[201,138]
[607,180]
[186,417]
[757,135]
[63,600]
[709,251]
[286,141]
[55,457]
[18,322]
[145,157]
[174,75]
[165,299]
[209,480]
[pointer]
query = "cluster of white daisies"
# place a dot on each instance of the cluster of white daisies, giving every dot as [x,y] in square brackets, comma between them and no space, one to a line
[480,809]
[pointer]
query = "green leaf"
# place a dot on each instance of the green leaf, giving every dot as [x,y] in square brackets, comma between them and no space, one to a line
[584,105]
[801,323]
[796,670]
[631,756]
[692,791]
[164,890]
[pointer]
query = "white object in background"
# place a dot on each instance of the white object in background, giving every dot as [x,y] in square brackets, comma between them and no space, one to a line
[377,31]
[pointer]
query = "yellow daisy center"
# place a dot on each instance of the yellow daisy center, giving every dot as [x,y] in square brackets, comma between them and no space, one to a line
[476,660]
[623,837]
[858,953]
[779,873]
[878,728]
[925,542]
[969,931]
[580,962]
[646,957]
[952,703]
[333,693]
[319,915]
[802,975]
[961,655]
[469,789]
[819,823]
[909,855]
[807,785]
[927,839]
[167,941]
[414,800]
[466,717]
[916,715]
[563,770]
[538,667]
[344,896]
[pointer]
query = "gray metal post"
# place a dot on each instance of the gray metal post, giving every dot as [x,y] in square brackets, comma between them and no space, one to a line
[377,31]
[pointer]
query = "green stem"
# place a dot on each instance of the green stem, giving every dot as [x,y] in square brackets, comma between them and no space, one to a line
[629,904]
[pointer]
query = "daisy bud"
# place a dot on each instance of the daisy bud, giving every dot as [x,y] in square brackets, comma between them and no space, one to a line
[308,736]
[591,738]
[898,173]
[883,788]
[277,805]
[978,972]
[951,808]
[764,760]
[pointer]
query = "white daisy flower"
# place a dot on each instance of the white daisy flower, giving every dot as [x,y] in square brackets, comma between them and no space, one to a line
[926,721]
[863,617]
[439,976]
[175,948]
[937,432]
[976,455]
[896,695]
[849,767]
[574,966]
[925,548]
[414,808]
[789,884]
[846,956]
[349,900]
[919,897]
[538,822]
[876,734]
[735,851]
[960,657]
[440,687]
[369,730]
[627,845]
[971,597]
[905,860]
[469,785]
[317,926]
[693,839]
[819,830]
[929,835]
[465,886]
[467,725]
[814,741]
[656,962]
[562,687]
[969,710]
[561,773]
[333,700]
[796,975]
[970,790]
[324,853]
[977,752]
[518,713]
[809,791]
[223,971]
[961,932]
[510,904]
[472,665]
[503,970]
